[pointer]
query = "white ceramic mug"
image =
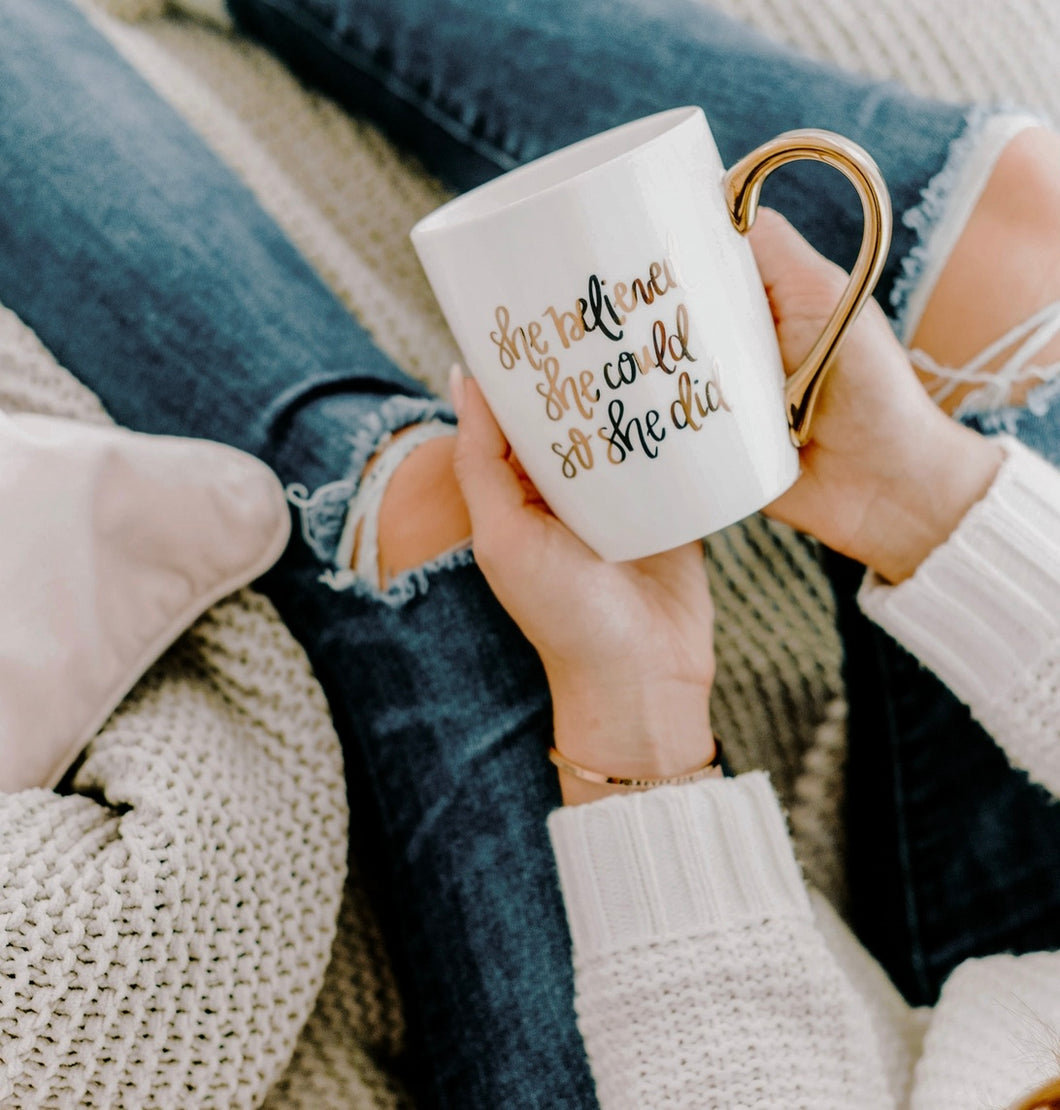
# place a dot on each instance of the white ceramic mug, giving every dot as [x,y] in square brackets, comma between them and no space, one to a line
[611,311]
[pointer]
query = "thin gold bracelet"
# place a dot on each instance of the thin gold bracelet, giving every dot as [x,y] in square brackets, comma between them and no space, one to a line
[713,769]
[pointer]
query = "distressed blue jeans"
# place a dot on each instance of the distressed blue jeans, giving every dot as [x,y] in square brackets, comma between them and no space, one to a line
[152,273]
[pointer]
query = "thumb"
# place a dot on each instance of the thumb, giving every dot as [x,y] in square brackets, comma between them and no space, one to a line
[490,486]
[779,249]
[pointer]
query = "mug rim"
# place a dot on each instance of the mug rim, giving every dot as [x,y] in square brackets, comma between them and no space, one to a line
[468,208]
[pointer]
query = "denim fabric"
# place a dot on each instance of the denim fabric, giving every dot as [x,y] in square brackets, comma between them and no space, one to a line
[154,276]
[475,88]
[951,853]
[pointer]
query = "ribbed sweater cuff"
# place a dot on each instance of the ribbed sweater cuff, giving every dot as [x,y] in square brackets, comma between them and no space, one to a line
[984,608]
[676,861]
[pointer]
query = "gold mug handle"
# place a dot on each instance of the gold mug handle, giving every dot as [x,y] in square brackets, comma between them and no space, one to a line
[743,184]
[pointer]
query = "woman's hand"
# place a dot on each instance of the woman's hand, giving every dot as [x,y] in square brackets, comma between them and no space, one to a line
[627,647]
[886,476]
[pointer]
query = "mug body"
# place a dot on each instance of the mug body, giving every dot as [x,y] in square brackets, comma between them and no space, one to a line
[616,323]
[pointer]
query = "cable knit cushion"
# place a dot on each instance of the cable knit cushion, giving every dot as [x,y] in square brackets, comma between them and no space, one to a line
[113,543]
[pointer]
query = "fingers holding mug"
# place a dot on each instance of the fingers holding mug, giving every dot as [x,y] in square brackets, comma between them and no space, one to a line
[743,184]
[613,315]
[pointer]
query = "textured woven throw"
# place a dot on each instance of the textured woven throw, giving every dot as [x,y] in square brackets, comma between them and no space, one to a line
[107,892]
[165,925]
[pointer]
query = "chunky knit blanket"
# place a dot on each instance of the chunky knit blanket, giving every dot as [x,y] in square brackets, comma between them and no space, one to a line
[166,924]
[180,930]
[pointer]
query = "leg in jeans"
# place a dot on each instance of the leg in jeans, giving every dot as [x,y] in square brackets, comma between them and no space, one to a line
[152,273]
[950,851]
[476,88]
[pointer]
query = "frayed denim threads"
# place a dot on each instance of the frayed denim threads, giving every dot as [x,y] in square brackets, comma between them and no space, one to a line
[946,204]
[323,514]
[994,383]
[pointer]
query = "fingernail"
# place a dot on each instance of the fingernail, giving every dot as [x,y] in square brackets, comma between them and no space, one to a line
[456,387]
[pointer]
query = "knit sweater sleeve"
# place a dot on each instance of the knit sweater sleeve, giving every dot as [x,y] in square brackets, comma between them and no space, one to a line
[695,947]
[701,978]
[983,612]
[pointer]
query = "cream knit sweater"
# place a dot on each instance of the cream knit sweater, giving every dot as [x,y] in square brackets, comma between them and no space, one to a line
[706,974]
